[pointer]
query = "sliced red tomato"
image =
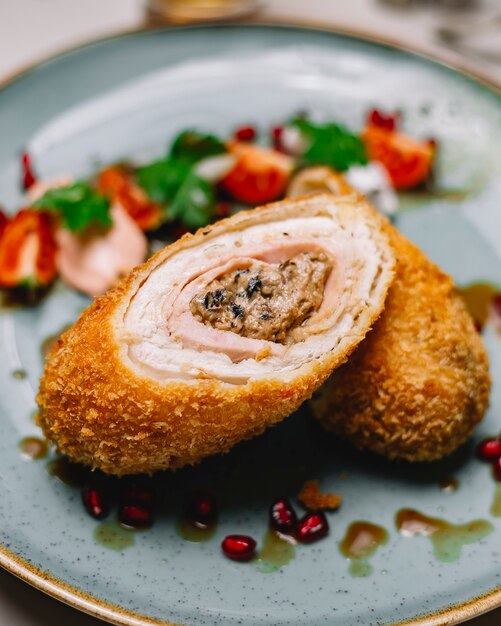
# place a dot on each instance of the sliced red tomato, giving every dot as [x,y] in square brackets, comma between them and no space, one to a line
[118,185]
[28,250]
[260,174]
[408,161]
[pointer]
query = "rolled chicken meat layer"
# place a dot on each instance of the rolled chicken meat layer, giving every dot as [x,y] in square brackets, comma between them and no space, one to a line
[163,339]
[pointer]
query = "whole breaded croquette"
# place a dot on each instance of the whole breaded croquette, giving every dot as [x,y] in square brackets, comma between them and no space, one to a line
[418,384]
[141,384]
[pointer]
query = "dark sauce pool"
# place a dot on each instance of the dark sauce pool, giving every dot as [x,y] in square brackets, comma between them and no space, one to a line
[276,551]
[34,447]
[447,539]
[360,542]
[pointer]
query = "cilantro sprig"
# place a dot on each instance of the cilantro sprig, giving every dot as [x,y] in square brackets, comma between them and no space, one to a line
[191,146]
[172,181]
[330,144]
[79,206]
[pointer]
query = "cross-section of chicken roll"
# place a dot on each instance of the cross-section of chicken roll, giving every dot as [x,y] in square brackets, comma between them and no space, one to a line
[217,336]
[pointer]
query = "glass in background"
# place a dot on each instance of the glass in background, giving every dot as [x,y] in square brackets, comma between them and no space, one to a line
[192,11]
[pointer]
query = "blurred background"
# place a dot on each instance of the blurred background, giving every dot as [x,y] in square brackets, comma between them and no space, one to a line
[465,32]
[468,29]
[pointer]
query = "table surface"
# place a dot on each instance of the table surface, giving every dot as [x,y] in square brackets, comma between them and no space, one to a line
[69,22]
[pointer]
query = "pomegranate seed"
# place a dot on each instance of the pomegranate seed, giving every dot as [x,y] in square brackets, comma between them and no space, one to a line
[245,133]
[29,177]
[489,450]
[136,507]
[277,133]
[95,498]
[381,120]
[282,516]
[497,468]
[202,510]
[239,547]
[478,326]
[312,527]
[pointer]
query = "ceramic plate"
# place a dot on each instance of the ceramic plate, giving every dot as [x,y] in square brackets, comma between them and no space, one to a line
[129,96]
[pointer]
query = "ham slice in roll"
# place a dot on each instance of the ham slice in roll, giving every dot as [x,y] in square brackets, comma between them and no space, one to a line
[217,336]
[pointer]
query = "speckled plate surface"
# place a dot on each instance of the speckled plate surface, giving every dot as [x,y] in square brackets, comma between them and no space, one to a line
[128,96]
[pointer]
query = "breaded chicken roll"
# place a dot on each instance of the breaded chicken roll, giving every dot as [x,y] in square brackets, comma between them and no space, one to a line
[419,383]
[217,336]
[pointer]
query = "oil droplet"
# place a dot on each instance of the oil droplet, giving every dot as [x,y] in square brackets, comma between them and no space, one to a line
[478,298]
[34,447]
[447,539]
[277,551]
[448,484]
[361,541]
[111,535]
[69,473]
[496,502]
[19,374]
[191,531]
[51,340]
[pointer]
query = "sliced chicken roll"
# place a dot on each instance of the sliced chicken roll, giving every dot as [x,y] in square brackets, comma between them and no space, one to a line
[217,336]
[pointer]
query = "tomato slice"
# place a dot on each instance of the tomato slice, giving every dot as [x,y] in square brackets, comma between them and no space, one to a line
[28,250]
[408,161]
[118,185]
[260,174]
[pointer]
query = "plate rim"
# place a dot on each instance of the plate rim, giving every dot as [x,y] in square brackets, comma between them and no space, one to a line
[112,613]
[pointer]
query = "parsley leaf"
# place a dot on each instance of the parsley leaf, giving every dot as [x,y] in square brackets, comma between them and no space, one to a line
[191,146]
[78,205]
[331,144]
[194,203]
[162,179]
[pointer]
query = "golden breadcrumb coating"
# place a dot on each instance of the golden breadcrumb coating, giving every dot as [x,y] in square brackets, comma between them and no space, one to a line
[313,499]
[100,412]
[419,383]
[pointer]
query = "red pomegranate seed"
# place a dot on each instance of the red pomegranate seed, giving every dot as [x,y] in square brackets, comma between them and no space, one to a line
[489,450]
[239,547]
[95,498]
[29,177]
[202,510]
[282,516]
[312,527]
[277,133]
[478,326]
[136,507]
[245,133]
[134,516]
[381,120]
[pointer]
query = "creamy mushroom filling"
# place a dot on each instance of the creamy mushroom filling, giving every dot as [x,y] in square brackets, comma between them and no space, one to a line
[265,301]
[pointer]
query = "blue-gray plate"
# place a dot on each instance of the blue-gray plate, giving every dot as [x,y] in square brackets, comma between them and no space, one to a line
[128,96]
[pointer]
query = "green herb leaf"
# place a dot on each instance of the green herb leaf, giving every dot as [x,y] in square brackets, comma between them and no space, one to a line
[191,146]
[162,179]
[194,203]
[331,144]
[78,205]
